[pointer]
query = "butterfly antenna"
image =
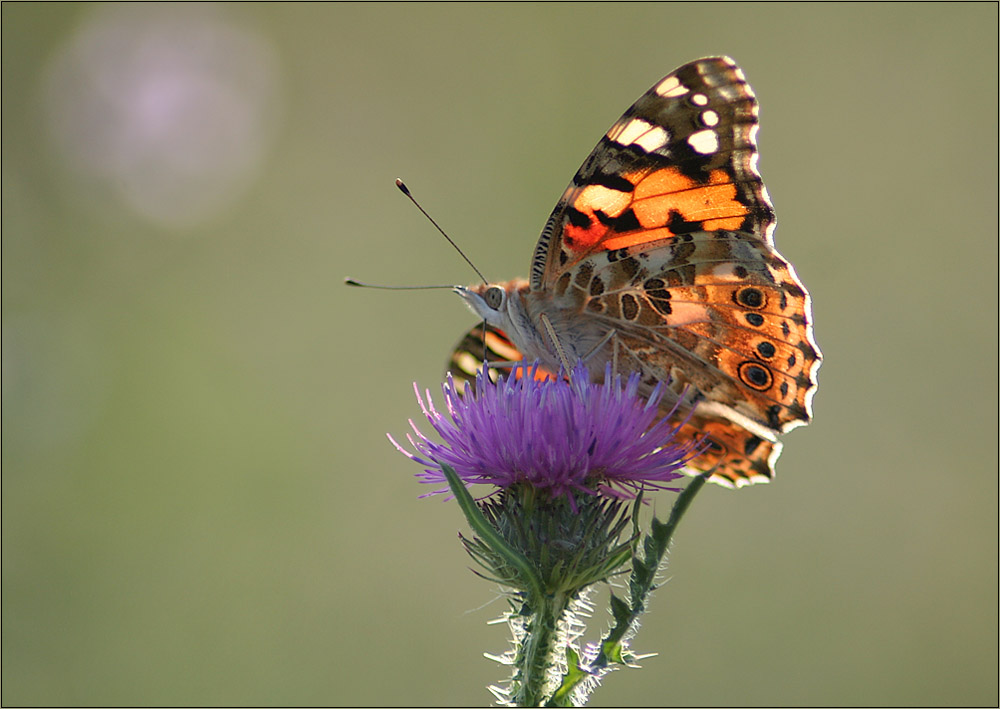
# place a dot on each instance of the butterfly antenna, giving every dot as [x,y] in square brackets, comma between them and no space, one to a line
[405,190]
[360,284]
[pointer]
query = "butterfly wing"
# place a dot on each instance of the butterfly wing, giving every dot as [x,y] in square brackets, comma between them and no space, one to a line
[482,344]
[735,455]
[682,159]
[664,236]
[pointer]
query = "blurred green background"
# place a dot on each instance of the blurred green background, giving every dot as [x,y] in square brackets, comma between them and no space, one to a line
[199,502]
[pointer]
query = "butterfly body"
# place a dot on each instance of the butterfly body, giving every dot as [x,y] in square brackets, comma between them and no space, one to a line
[521,313]
[659,257]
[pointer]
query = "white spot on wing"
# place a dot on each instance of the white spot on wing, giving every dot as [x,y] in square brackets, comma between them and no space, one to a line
[671,87]
[682,314]
[731,92]
[704,142]
[647,136]
[726,271]
[699,99]
[632,130]
[654,139]
[710,118]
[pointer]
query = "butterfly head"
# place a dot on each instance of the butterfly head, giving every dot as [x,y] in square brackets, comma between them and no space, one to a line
[496,303]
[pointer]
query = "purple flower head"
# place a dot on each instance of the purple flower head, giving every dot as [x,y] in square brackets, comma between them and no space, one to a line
[557,435]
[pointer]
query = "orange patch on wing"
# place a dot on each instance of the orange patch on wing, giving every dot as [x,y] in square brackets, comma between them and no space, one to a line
[541,374]
[658,199]
[589,200]
[727,458]
[724,224]
[635,238]
[581,239]
[669,180]
[503,346]
[667,192]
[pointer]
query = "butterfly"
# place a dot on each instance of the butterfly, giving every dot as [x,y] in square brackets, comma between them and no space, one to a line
[659,258]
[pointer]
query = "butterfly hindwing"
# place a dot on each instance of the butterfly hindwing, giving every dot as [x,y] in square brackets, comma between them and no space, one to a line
[734,455]
[718,311]
[481,345]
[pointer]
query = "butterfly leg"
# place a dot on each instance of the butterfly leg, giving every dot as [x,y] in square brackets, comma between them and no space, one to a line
[560,351]
[614,353]
[612,337]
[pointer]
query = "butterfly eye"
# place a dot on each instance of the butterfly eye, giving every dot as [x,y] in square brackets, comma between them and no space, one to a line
[494,297]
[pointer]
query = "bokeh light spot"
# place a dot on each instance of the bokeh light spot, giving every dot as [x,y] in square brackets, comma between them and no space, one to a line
[167,108]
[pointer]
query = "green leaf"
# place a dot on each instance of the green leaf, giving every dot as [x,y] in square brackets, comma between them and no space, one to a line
[641,580]
[643,575]
[574,675]
[619,609]
[489,536]
[613,652]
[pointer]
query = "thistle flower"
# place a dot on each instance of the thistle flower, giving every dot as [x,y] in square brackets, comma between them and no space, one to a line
[563,455]
[556,435]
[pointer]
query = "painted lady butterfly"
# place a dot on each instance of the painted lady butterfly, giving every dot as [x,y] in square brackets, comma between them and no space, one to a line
[659,257]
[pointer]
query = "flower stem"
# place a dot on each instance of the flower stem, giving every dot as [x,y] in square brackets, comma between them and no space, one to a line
[537,673]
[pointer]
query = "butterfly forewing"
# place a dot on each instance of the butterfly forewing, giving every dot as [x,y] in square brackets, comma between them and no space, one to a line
[681,159]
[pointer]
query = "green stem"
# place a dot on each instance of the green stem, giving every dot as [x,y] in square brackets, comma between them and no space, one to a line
[681,505]
[536,670]
[644,574]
